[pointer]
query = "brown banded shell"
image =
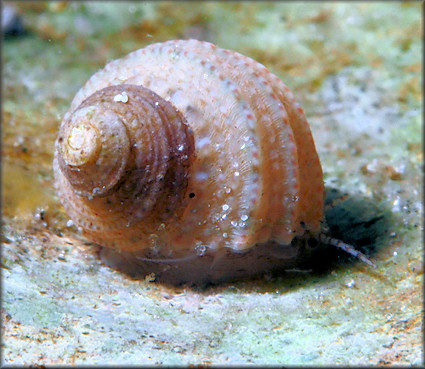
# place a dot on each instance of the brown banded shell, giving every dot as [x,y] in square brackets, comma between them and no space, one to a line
[183,149]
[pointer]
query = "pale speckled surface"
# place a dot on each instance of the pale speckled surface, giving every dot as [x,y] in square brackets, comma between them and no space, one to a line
[355,69]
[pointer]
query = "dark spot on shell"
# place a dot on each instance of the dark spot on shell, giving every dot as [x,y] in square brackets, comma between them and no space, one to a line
[191,195]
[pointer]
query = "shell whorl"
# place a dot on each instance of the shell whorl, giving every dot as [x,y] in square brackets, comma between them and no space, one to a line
[248,159]
[126,152]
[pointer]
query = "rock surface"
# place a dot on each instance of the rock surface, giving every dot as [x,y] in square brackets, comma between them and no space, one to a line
[355,69]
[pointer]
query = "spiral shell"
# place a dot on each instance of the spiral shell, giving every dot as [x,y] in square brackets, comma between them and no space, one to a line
[183,148]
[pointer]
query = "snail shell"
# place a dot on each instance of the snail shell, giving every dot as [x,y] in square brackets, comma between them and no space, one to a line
[190,161]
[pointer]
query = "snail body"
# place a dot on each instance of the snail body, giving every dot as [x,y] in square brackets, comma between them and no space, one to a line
[192,162]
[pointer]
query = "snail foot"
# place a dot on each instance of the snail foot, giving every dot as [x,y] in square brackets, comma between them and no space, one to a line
[213,267]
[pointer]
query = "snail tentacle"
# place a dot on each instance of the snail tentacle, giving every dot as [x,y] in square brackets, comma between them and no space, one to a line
[347,248]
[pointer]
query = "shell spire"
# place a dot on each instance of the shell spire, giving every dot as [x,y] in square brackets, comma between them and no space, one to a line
[126,152]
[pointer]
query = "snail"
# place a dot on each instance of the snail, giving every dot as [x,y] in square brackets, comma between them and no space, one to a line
[191,162]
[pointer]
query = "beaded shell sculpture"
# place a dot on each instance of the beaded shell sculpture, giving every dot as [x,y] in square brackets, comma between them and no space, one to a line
[191,162]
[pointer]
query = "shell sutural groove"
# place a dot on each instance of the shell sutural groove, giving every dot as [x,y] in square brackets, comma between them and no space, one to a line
[192,162]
